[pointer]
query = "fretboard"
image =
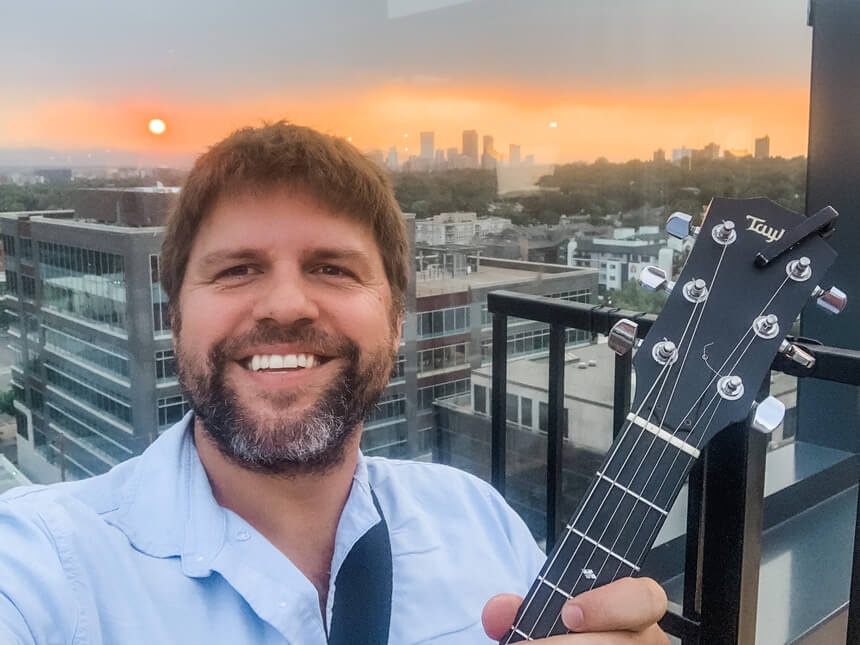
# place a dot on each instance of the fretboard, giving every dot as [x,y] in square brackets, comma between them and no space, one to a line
[612,530]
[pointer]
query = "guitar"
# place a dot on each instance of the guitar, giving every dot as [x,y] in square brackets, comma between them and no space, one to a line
[752,269]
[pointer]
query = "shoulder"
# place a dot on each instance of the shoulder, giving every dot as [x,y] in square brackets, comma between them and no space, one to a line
[451,501]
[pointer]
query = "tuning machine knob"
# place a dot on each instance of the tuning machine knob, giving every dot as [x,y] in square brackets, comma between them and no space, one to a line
[832,300]
[768,415]
[622,336]
[654,278]
[795,353]
[680,225]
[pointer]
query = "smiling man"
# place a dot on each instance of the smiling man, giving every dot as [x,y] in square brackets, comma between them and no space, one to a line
[256,519]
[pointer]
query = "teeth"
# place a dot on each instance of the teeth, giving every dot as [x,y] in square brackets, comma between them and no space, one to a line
[276,361]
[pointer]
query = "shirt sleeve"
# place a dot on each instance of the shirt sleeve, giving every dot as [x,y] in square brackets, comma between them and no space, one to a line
[529,556]
[37,602]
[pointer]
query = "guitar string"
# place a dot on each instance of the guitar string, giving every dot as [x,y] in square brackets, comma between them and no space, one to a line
[618,476]
[607,464]
[630,487]
[558,549]
[648,510]
[751,328]
[665,448]
[663,418]
[702,436]
[733,367]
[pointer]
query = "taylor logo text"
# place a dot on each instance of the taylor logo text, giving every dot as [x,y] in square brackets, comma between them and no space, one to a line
[758,225]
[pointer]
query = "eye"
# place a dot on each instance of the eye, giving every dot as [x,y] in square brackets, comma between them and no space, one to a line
[238,271]
[333,270]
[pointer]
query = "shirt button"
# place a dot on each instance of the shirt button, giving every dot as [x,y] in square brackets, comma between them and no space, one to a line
[282,604]
[242,536]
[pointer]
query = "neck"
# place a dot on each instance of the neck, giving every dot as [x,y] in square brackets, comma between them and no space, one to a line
[297,514]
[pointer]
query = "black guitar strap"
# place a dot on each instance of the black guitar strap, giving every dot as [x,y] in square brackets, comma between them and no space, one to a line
[362,600]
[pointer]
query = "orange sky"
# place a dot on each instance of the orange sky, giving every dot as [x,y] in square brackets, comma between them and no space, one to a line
[617,126]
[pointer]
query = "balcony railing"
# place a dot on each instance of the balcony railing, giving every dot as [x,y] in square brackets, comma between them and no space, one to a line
[723,536]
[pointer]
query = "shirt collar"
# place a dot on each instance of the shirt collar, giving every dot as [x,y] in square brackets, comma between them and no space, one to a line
[167,508]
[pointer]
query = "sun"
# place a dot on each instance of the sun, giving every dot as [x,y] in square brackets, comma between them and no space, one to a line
[157,126]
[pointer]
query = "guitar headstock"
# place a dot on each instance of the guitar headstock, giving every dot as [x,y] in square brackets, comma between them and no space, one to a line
[704,359]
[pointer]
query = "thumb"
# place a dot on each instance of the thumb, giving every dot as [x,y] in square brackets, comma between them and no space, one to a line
[499,614]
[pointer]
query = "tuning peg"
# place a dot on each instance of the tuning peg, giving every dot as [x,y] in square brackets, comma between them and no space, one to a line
[680,225]
[795,353]
[654,278]
[832,300]
[622,336]
[768,415]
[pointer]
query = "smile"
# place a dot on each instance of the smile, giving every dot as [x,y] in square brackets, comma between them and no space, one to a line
[270,362]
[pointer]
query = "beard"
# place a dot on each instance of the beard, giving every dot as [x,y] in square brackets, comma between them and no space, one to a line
[280,445]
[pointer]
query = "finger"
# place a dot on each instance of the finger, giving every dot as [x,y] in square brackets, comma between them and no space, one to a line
[626,604]
[499,614]
[652,635]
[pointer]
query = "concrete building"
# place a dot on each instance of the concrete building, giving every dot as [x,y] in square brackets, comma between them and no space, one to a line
[489,156]
[94,375]
[457,228]
[514,155]
[391,160]
[470,147]
[427,145]
[618,259]
[659,155]
[762,147]
[679,154]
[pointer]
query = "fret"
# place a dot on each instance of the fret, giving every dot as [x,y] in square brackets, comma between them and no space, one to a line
[554,587]
[665,436]
[607,550]
[662,511]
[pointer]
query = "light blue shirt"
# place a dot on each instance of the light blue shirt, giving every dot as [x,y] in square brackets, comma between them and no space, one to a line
[144,554]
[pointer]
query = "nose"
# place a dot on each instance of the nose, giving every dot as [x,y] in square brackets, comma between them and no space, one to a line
[286,297]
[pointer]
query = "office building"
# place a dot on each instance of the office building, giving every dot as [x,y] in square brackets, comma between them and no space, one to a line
[514,155]
[659,155]
[470,147]
[762,147]
[427,145]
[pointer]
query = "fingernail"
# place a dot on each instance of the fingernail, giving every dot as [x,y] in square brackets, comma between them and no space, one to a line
[572,616]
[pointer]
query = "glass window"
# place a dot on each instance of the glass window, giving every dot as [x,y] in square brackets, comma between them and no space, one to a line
[512,408]
[526,412]
[480,399]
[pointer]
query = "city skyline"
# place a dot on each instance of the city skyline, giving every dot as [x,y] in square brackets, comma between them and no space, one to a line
[619,81]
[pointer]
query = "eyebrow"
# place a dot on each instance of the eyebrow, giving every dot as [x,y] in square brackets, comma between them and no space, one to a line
[325,253]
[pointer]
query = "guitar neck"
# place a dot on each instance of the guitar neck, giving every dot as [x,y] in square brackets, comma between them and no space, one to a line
[613,528]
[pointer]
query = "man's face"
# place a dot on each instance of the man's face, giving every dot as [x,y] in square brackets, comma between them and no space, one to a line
[287,332]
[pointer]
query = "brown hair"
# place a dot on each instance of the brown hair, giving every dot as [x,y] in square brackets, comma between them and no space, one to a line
[283,155]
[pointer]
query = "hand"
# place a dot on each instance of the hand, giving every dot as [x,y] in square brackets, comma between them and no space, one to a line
[623,612]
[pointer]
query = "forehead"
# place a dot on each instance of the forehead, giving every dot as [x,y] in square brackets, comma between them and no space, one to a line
[280,220]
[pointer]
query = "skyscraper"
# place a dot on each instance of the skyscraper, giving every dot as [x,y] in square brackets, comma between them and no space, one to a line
[762,147]
[659,155]
[488,158]
[427,145]
[391,161]
[514,156]
[470,146]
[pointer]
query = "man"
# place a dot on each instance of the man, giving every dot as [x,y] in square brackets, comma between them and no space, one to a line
[285,264]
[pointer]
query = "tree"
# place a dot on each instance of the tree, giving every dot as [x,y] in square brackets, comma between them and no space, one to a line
[635,297]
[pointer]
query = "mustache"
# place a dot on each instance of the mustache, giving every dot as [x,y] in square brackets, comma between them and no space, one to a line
[273,333]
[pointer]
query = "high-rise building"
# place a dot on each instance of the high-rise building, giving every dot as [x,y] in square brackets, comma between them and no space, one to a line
[514,155]
[453,157]
[488,157]
[427,145]
[679,154]
[391,160]
[470,146]
[762,147]
[659,155]
[94,375]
